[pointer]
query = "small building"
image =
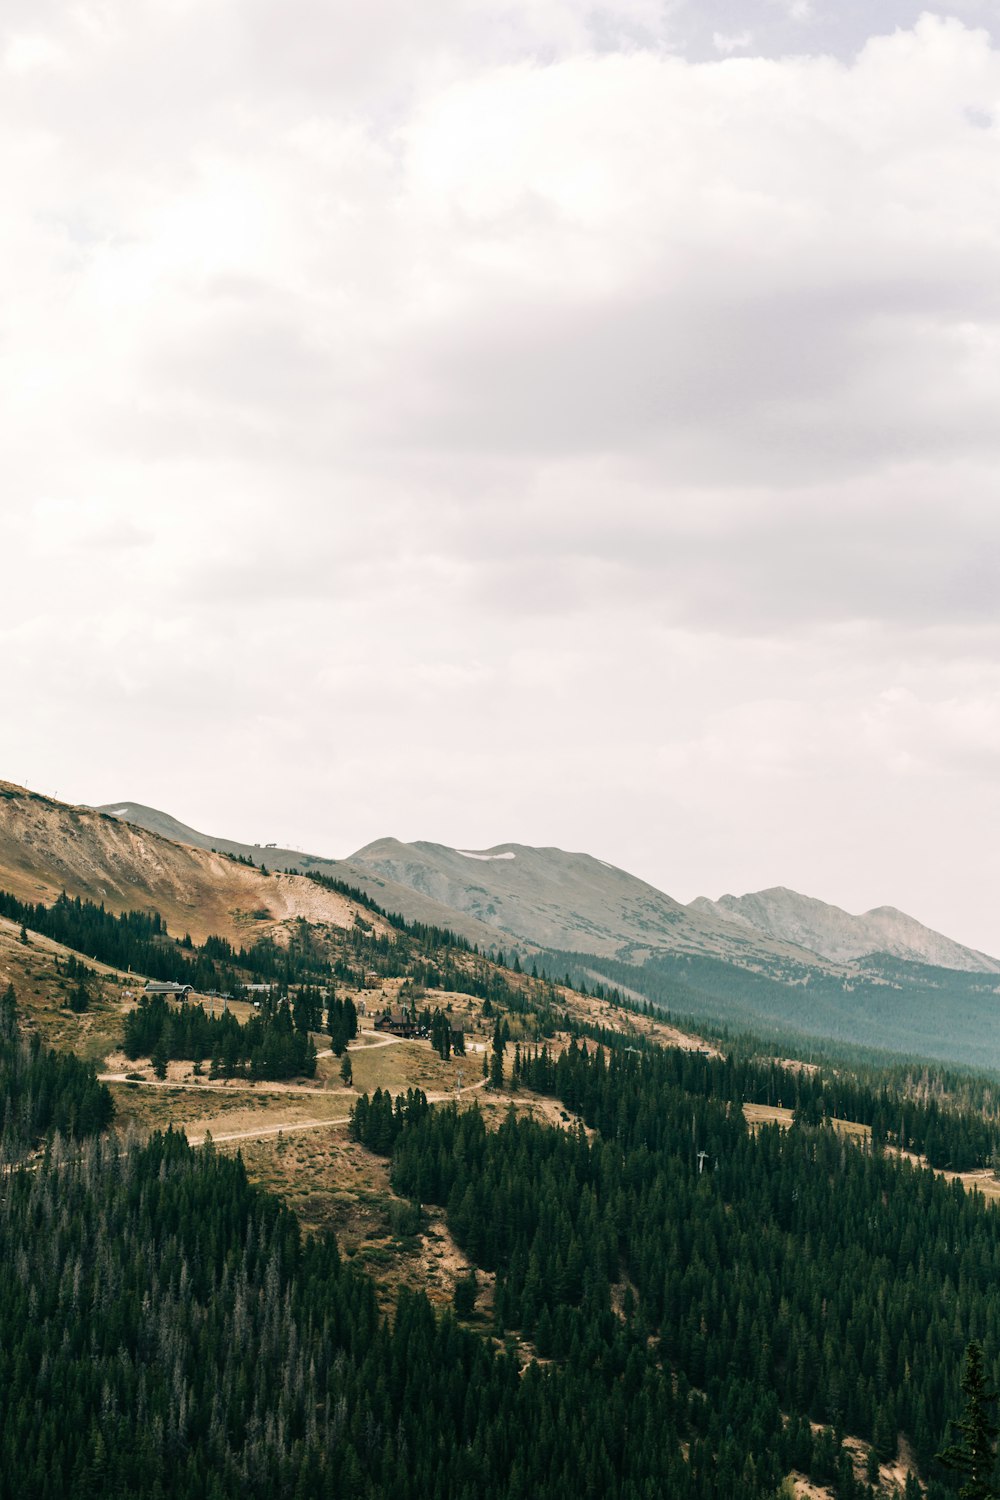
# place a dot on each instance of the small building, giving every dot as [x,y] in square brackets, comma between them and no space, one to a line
[169,988]
[396,1022]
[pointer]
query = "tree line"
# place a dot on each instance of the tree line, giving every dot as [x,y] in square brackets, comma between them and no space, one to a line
[44,1091]
[957,1134]
[719,1247]
[266,1047]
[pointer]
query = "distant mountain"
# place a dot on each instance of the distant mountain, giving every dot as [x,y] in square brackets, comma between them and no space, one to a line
[163,824]
[840,937]
[414,905]
[774,962]
[551,899]
[895,986]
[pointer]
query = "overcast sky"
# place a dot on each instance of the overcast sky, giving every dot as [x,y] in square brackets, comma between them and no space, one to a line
[513,419]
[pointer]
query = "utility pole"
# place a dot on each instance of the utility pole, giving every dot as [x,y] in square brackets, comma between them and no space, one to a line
[701,1161]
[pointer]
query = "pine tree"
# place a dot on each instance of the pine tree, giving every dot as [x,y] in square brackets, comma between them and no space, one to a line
[79,998]
[974,1455]
[8,1015]
[496,1061]
[161,1055]
[466,1291]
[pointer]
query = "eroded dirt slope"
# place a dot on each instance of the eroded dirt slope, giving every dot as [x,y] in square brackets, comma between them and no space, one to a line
[47,847]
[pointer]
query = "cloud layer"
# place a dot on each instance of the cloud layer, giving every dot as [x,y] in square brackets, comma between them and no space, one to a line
[522,421]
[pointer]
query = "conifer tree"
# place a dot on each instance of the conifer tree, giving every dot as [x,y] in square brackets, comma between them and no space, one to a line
[79,999]
[466,1291]
[496,1061]
[160,1055]
[974,1454]
[8,1015]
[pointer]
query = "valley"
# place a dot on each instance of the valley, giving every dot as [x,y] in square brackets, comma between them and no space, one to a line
[575,1181]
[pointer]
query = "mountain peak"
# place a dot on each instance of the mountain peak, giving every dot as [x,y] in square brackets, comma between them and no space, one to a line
[840,937]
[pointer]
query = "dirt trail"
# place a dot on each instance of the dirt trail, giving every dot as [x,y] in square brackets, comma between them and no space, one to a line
[235,1085]
[262,1131]
[214,1088]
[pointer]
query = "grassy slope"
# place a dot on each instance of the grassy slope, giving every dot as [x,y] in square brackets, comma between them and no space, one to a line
[293,1136]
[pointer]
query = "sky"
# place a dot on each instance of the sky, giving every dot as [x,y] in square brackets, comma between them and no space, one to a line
[516,420]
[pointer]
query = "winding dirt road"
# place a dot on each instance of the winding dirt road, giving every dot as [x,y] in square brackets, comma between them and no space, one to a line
[263,1131]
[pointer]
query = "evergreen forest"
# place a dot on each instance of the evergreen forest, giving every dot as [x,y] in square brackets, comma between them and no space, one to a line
[427,956]
[268,1046]
[680,1305]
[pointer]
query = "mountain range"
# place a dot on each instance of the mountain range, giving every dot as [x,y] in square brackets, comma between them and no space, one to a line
[838,936]
[548,899]
[777,963]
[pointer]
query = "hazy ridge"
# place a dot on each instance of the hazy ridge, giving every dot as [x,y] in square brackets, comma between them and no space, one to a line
[548,898]
[836,935]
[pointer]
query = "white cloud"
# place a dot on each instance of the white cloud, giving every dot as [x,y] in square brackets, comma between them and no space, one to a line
[488,424]
[28,53]
[797,10]
[731,41]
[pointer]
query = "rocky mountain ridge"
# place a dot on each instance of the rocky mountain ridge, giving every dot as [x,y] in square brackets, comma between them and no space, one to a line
[550,899]
[837,935]
[555,900]
[413,904]
[47,847]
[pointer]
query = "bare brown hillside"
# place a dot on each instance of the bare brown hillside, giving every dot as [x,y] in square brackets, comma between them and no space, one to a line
[47,847]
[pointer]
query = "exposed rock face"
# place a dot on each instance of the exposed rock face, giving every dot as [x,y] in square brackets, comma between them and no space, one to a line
[411,904]
[840,937]
[47,847]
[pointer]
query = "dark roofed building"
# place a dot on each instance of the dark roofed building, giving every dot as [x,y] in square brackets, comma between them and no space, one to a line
[397,1022]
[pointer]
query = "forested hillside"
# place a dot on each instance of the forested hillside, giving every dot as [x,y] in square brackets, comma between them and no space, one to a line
[693,1313]
[910,1009]
[43,1091]
[661,1299]
[139,941]
[793,1271]
[166,1331]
